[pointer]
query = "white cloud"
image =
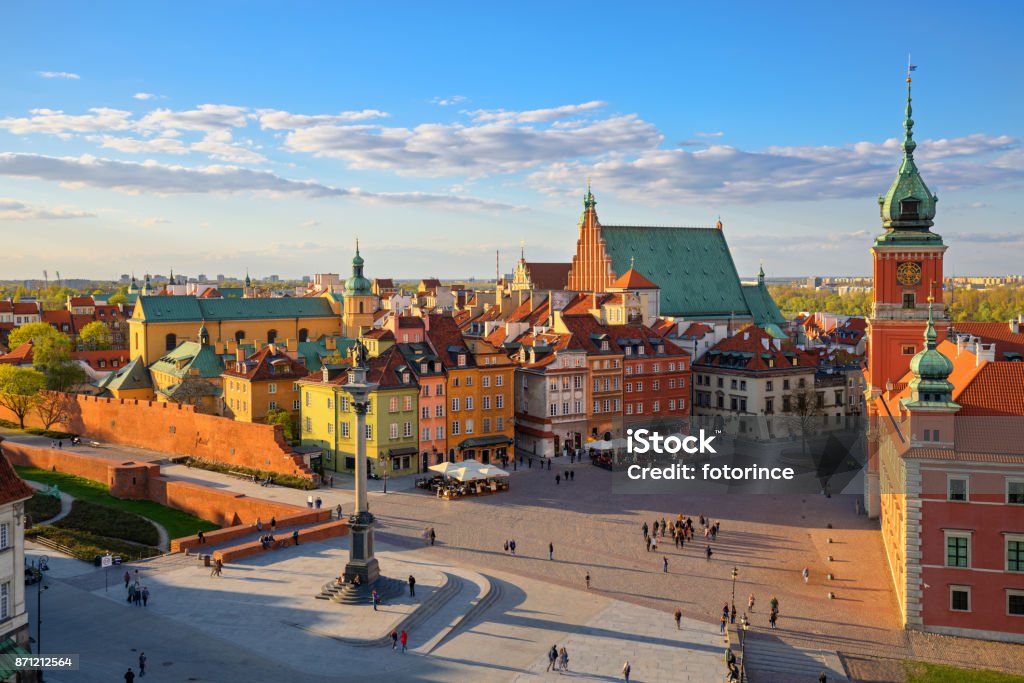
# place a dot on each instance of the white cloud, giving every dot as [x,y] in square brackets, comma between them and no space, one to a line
[535,115]
[311,223]
[151,177]
[219,145]
[163,144]
[715,134]
[144,96]
[14,210]
[722,173]
[60,74]
[56,122]
[205,117]
[449,101]
[275,119]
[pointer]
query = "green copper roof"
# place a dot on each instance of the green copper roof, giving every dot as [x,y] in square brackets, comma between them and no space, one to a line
[189,308]
[357,285]
[131,376]
[908,206]
[931,386]
[192,356]
[762,306]
[314,351]
[692,266]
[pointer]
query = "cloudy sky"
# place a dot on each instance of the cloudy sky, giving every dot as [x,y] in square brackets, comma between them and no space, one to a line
[219,137]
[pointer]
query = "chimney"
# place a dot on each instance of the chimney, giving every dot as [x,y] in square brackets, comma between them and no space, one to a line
[273,349]
[594,305]
[332,344]
[325,373]
[1015,325]
[239,355]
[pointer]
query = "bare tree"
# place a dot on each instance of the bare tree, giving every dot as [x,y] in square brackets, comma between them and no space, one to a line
[54,407]
[802,412]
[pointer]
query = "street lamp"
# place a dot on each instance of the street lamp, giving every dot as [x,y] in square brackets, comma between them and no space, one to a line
[744,625]
[39,619]
[735,573]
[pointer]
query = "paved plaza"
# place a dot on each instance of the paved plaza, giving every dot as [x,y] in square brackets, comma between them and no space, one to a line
[500,614]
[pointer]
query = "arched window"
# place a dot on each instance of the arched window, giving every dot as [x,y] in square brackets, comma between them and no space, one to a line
[171,342]
[303,335]
[360,306]
[271,336]
[239,336]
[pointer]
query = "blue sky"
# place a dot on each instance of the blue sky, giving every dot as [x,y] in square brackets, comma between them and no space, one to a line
[217,137]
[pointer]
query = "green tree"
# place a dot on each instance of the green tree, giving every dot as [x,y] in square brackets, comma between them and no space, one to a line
[19,390]
[118,298]
[95,336]
[283,418]
[51,355]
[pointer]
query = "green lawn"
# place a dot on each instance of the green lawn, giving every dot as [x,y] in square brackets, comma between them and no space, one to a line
[923,672]
[101,520]
[42,507]
[86,546]
[177,523]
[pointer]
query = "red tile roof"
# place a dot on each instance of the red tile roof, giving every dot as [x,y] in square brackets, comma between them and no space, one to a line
[26,308]
[1000,333]
[444,335]
[548,275]
[632,280]
[12,488]
[266,364]
[19,356]
[753,349]
[93,358]
[80,301]
[380,334]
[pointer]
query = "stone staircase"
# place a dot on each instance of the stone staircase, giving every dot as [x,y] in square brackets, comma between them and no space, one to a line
[387,589]
[771,661]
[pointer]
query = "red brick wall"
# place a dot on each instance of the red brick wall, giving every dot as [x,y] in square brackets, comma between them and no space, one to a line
[313,533]
[178,429]
[241,530]
[86,466]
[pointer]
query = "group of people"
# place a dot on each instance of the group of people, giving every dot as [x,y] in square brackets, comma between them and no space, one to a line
[397,638]
[682,530]
[568,475]
[558,659]
[510,547]
[429,536]
[311,503]
[129,675]
[137,594]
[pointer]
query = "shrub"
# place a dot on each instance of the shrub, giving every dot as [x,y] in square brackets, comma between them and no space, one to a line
[42,507]
[288,480]
[109,522]
[86,546]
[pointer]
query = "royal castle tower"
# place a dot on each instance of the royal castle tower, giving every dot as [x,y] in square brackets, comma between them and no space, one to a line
[591,269]
[360,303]
[907,261]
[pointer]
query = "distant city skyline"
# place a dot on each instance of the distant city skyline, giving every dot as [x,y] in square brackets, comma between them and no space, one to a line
[269,142]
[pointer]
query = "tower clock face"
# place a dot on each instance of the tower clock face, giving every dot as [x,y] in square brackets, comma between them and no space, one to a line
[908,273]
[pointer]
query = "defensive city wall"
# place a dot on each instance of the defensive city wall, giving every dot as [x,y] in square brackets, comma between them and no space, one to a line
[179,430]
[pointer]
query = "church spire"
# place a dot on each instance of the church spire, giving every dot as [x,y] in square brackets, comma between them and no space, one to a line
[588,199]
[931,368]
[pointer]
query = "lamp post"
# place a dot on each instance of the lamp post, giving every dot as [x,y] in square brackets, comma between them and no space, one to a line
[39,618]
[735,573]
[385,458]
[361,561]
[744,625]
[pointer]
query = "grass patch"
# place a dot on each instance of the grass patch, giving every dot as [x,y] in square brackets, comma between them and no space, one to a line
[288,480]
[925,672]
[100,520]
[86,546]
[176,522]
[48,433]
[42,507]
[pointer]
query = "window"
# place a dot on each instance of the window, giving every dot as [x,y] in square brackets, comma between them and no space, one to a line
[960,598]
[671,384]
[272,388]
[295,387]
[657,406]
[639,386]
[469,403]
[5,600]
[425,413]
[272,405]
[393,404]
[344,430]
[426,434]
[1015,492]
[455,381]
[455,428]
[439,410]
[956,488]
[499,401]
[769,406]
[732,384]
[407,403]
[462,359]
[606,405]
[344,404]
[565,408]
[499,424]
[393,431]
[1015,603]
[469,381]
[671,404]
[909,300]
[309,424]
[369,431]
[439,432]
[908,349]
[469,426]
[768,385]
[439,390]
[330,427]
[487,424]
[578,406]
[330,403]
[1015,553]
[656,367]
[407,430]
[629,387]
[499,381]
[957,549]
[170,343]
[486,381]
[296,404]
[629,409]
[487,402]
[455,404]
[5,535]
[597,407]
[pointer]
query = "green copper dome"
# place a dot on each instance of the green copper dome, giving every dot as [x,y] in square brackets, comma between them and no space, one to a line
[908,208]
[931,385]
[357,285]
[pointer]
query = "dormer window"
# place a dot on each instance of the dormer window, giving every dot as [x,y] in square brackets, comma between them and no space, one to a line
[423,368]
[462,359]
[909,208]
[405,378]
[604,346]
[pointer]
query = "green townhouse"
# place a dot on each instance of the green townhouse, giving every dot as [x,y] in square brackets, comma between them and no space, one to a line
[329,422]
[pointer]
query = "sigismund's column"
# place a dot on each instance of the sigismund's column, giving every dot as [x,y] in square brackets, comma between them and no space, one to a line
[361,561]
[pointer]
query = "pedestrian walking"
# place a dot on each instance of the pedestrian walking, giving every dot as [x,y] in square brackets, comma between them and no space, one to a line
[259,524]
[309,501]
[273,524]
[375,597]
[572,476]
[138,596]
[664,562]
[551,551]
[654,528]
[721,625]
[432,535]
[201,536]
[512,546]
[714,532]
[404,638]
[563,659]
[806,573]
[732,614]
[654,543]
[412,586]
[506,546]
[625,671]
[587,579]
[319,502]
[774,602]
[129,676]
[142,664]
[530,461]
[127,579]
[295,536]
[558,479]
[644,527]
[145,596]
[772,618]
[647,542]
[394,639]
[822,678]
[338,509]
[549,465]
[718,528]
[708,553]
[552,657]
[750,603]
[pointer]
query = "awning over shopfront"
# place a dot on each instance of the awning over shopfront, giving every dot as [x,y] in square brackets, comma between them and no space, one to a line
[405,450]
[481,441]
[468,470]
